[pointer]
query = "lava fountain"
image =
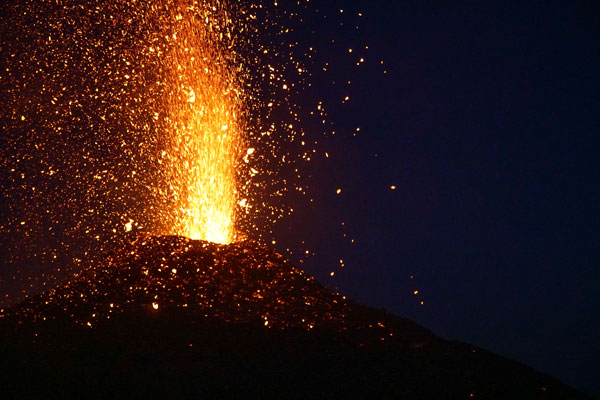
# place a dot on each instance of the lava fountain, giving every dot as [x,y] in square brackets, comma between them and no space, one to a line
[203,128]
[159,117]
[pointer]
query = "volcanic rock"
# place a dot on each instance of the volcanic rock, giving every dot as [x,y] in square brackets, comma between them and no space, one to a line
[174,317]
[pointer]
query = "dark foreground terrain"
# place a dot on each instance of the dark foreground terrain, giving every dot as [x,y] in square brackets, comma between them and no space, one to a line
[174,318]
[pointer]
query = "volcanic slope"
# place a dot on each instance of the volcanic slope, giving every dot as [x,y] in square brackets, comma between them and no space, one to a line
[170,316]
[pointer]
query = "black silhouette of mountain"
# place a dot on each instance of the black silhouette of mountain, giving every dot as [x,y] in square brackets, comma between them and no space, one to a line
[177,318]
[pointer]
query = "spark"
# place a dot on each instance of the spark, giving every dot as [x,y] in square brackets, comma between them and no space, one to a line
[128,226]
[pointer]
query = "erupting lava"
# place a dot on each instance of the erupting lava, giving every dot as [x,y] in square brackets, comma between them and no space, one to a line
[158,117]
[202,123]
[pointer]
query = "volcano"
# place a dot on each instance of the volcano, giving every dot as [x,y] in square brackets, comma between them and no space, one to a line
[174,317]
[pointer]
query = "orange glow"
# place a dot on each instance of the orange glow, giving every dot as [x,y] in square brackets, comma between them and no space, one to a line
[203,125]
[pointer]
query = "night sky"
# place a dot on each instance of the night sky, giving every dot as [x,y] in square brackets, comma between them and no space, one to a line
[487,124]
[484,117]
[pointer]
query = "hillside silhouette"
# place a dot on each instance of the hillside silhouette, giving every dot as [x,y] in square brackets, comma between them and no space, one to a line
[173,317]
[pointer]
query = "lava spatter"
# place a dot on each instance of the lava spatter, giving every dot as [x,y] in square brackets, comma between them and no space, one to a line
[239,283]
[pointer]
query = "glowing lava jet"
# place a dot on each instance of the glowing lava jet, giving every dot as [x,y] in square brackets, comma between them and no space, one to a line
[203,111]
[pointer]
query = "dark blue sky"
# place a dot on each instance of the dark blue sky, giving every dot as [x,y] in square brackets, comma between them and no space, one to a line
[487,123]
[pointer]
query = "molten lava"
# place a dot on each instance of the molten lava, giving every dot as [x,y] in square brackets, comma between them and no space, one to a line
[202,122]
